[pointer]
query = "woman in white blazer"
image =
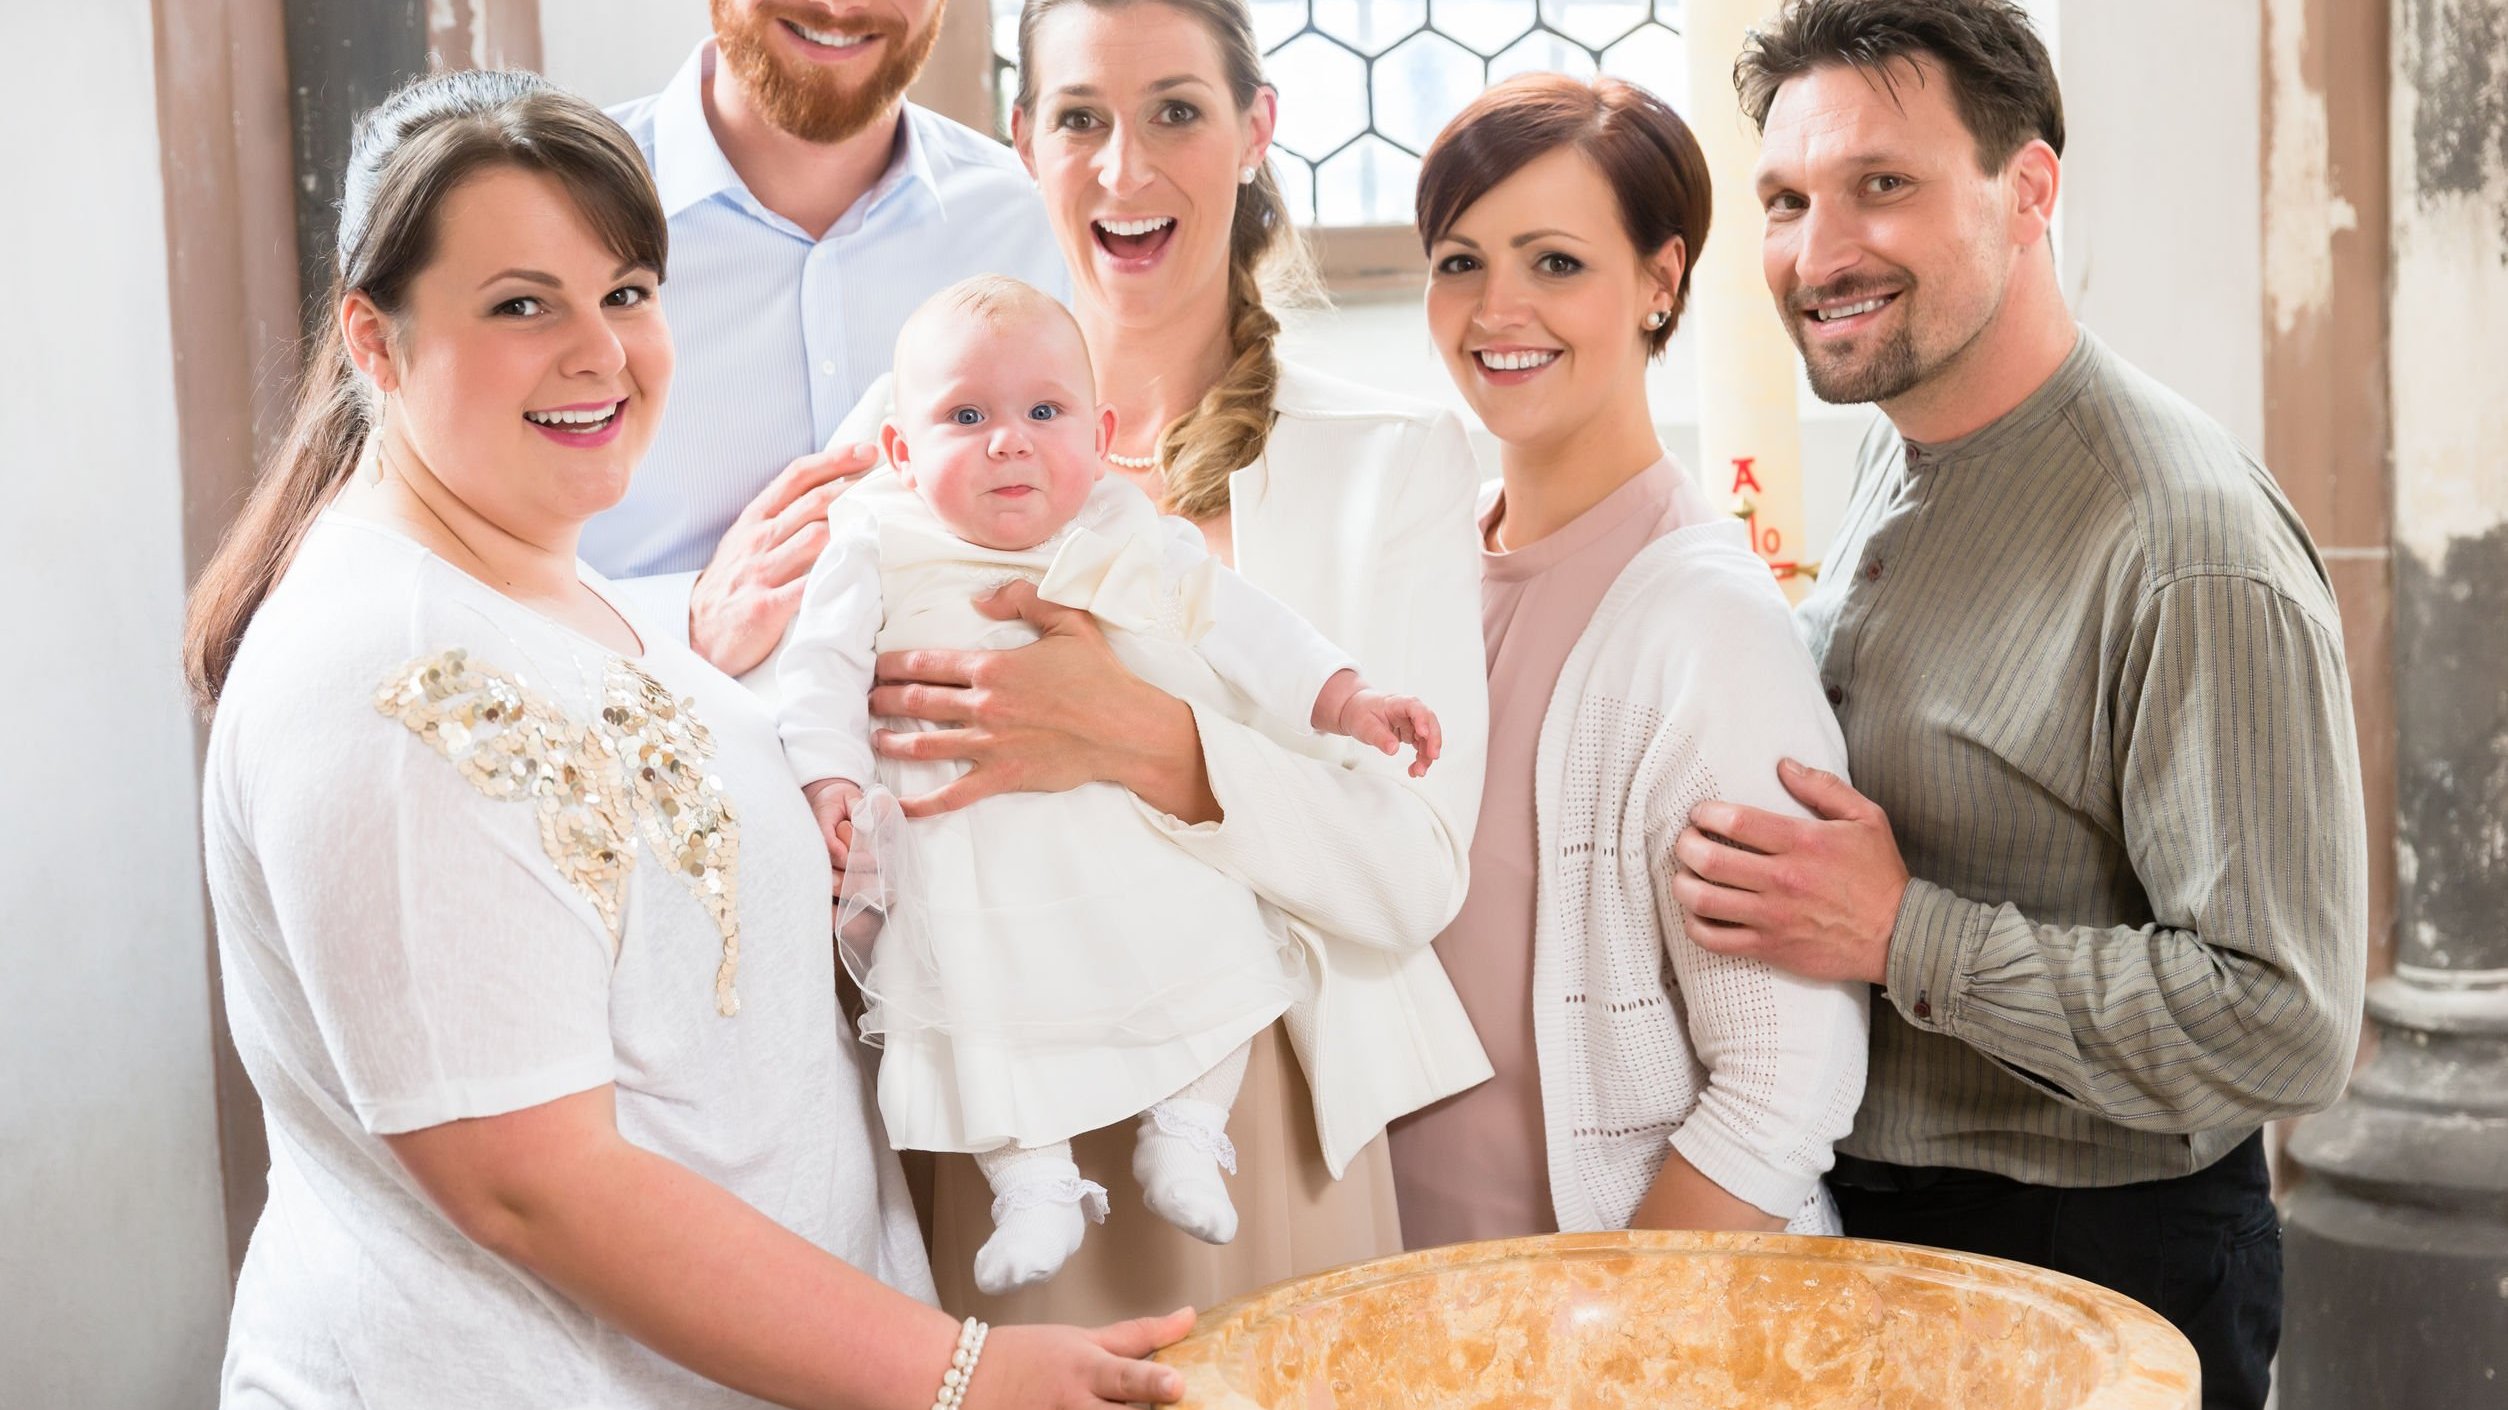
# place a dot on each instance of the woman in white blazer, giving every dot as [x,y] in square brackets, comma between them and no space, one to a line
[1146,123]
[1641,660]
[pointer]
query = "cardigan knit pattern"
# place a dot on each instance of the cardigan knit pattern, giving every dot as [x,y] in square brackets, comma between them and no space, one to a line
[1688,684]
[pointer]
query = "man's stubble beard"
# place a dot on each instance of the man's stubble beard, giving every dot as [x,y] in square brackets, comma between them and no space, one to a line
[795,96]
[1892,370]
[1895,367]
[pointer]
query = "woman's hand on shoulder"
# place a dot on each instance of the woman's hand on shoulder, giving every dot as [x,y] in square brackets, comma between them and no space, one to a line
[1042,718]
[1070,1368]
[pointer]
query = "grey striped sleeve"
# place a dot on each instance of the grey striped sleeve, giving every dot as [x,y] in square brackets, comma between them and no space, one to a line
[2240,1001]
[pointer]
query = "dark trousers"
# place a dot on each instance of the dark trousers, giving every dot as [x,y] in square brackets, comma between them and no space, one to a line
[2202,1250]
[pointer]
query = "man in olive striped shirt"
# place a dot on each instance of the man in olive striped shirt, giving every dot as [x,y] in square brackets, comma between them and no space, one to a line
[2104,850]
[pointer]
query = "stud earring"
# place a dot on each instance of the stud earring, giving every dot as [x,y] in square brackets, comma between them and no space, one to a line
[1657,319]
[1245,177]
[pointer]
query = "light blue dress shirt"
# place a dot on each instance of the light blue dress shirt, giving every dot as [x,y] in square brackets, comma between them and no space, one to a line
[778,335]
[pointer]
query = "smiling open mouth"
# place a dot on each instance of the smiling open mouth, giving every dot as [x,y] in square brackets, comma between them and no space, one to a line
[1522,360]
[1134,239]
[1839,313]
[588,422]
[829,38]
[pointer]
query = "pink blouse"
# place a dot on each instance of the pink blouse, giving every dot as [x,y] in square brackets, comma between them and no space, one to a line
[1476,1165]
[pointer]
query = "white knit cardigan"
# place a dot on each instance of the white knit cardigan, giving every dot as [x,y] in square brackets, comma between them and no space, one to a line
[1688,684]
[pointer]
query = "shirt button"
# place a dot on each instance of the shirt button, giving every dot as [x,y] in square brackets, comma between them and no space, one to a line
[1836,696]
[828,368]
[1872,571]
[1922,1009]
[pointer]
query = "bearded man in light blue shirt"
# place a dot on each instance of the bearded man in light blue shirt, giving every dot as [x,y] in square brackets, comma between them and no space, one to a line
[811,209]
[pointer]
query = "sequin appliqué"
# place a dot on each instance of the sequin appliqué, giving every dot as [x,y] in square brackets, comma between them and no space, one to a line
[687,817]
[592,785]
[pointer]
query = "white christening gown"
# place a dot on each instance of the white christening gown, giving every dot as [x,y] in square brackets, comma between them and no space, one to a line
[1043,963]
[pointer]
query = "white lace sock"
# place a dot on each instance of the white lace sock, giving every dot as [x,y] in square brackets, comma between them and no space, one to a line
[1041,1208]
[1183,1145]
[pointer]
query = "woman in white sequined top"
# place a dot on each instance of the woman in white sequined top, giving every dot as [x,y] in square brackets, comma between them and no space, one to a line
[523,926]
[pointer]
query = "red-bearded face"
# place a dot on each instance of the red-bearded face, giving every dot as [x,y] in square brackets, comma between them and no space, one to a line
[824,72]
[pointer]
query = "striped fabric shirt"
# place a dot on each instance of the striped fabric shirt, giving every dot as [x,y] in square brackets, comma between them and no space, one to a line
[2088,661]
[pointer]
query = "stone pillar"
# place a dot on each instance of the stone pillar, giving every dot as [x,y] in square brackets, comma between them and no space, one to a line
[2398,1235]
[1750,445]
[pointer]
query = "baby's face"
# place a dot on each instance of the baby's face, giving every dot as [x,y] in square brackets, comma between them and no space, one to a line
[997,428]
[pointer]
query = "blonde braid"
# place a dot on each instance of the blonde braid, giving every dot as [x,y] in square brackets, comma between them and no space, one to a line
[1226,431]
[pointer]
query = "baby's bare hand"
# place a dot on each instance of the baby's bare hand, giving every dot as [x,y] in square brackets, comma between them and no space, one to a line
[1387,722]
[832,802]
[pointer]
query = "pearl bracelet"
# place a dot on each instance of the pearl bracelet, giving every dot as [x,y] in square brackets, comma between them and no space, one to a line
[953,1390]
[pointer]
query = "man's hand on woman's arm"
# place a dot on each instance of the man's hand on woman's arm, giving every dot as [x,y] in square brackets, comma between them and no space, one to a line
[685,1267]
[746,596]
[1813,896]
[2235,1000]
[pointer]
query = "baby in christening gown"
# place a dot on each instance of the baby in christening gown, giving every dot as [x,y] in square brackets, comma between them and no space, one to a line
[1047,963]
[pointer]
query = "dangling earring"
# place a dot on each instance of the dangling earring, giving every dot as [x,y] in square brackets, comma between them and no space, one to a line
[1657,319]
[1246,177]
[382,415]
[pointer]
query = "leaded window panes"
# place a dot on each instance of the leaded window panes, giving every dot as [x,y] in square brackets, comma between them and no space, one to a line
[1366,84]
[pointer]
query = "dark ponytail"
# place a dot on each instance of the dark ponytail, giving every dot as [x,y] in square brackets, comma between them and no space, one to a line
[410,153]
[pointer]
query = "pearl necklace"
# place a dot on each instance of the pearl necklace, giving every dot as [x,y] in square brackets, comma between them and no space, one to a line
[1134,462]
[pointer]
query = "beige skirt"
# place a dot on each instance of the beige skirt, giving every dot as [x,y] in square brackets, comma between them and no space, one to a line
[1292,1218]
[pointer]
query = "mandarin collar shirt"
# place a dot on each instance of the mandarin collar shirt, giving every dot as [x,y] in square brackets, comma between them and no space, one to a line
[2089,663]
[779,334]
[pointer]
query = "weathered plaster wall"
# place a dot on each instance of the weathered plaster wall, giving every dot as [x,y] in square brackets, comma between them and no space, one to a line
[2450,301]
[2307,212]
[113,1272]
[2324,255]
[2451,270]
[485,34]
[230,215]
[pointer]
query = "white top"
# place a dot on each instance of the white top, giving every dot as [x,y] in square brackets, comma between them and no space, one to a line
[1049,963]
[438,896]
[1688,684]
[779,333]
